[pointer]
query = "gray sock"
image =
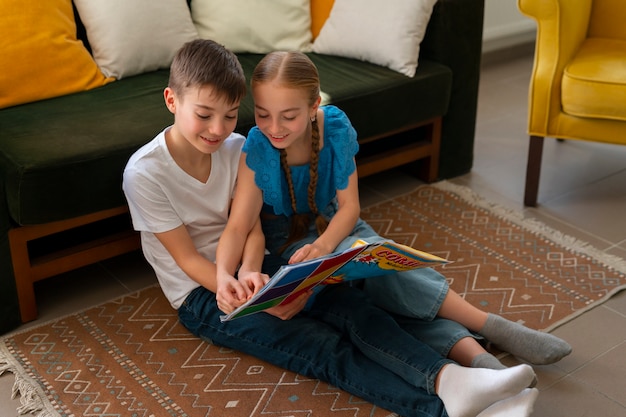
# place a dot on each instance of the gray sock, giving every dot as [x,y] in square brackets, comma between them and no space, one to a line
[487,360]
[527,344]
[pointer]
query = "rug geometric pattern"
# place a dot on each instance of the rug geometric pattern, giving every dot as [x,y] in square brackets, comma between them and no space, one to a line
[517,268]
[131,357]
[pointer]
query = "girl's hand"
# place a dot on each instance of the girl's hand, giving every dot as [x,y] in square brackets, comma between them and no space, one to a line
[287,311]
[230,293]
[309,251]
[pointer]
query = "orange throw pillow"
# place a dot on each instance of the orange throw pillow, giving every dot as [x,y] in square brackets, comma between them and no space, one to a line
[41,56]
[320,10]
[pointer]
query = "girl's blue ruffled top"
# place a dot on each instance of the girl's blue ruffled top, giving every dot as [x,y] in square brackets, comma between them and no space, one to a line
[336,164]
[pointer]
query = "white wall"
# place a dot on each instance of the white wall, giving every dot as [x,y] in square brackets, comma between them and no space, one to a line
[505,25]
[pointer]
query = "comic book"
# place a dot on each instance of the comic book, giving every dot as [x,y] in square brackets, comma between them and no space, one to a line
[362,260]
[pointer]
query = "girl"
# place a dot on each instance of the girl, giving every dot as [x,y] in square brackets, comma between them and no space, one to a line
[298,170]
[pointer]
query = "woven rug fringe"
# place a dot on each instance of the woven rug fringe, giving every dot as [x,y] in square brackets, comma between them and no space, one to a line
[30,394]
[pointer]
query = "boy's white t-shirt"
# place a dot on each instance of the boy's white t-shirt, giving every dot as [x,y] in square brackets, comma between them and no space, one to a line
[161,197]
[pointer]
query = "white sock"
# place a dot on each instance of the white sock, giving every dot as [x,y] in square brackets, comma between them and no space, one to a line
[520,405]
[465,392]
[487,360]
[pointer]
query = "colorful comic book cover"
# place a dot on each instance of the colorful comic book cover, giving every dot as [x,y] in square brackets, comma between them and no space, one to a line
[362,260]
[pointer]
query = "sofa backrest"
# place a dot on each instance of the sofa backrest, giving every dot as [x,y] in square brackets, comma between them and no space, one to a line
[81,32]
[607,19]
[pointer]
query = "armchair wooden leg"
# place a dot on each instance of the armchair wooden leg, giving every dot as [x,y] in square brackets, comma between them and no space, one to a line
[533,170]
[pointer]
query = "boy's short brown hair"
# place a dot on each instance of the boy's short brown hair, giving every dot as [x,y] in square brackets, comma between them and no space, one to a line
[205,62]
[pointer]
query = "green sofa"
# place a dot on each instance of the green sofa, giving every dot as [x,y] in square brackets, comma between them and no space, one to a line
[61,159]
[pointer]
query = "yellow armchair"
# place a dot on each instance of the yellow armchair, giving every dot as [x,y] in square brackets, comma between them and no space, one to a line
[578,83]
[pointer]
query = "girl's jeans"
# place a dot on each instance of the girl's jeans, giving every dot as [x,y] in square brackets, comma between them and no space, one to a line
[416,294]
[344,340]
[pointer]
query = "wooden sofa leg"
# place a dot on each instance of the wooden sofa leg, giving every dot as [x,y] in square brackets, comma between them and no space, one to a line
[28,269]
[430,170]
[533,170]
[25,285]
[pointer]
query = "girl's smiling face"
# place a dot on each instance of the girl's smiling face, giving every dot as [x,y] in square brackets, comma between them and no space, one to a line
[283,114]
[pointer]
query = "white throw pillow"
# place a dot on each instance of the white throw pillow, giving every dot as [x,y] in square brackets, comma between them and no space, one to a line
[383,32]
[253,25]
[129,37]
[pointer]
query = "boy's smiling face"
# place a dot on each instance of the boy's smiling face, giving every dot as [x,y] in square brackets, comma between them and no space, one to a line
[203,118]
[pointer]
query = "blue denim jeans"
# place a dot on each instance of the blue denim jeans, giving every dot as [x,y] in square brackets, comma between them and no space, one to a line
[417,293]
[411,294]
[339,345]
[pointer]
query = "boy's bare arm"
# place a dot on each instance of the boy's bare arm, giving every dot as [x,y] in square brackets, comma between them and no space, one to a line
[180,246]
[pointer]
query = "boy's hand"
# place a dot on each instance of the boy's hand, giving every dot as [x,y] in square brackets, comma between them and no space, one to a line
[230,293]
[287,311]
[254,281]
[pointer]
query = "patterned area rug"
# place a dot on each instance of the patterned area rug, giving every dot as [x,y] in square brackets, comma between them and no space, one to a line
[131,357]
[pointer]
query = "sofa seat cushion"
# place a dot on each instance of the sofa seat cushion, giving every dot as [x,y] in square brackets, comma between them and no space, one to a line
[593,83]
[55,152]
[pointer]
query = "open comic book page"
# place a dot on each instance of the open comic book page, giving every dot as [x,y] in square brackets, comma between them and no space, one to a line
[363,260]
[382,258]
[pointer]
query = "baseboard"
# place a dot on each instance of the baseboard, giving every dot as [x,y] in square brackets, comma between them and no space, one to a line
[506,45]
[506,54]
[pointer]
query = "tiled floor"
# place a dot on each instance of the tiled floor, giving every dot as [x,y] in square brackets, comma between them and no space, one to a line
[582,193]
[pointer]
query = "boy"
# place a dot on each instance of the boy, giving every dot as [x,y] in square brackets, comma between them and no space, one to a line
[179,185]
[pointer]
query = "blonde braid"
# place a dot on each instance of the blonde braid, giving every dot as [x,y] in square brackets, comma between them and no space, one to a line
[299,223]
[320,222]
[285,166]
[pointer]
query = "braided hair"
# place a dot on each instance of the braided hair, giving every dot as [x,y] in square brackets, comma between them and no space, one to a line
[295,69]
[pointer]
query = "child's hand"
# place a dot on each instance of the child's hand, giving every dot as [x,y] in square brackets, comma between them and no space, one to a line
[254,281]
[230,293]
[308,251]
[287,311]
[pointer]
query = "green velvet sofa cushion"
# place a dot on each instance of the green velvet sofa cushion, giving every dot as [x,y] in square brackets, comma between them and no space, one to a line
[64,157]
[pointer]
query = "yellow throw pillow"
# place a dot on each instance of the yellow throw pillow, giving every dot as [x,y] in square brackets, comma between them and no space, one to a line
[320,10]
[41,56]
